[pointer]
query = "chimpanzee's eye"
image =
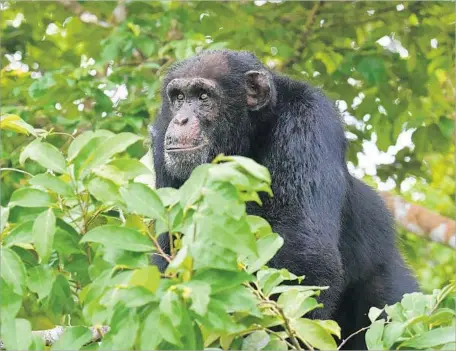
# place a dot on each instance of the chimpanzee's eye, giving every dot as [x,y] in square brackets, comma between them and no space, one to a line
[204,96]
[180,97]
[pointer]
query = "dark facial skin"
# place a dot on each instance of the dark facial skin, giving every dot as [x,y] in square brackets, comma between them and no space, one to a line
[194,104]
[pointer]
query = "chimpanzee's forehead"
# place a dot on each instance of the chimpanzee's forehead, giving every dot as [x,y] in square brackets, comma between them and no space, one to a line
[210,66]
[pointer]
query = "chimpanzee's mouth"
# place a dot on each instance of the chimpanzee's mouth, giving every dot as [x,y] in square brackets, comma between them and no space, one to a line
[183,148]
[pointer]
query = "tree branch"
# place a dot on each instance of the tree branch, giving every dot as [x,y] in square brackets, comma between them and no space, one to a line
[305,34]
[50,336]
[421,221]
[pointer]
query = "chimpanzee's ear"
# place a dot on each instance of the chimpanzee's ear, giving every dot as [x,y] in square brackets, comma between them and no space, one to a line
[259,89]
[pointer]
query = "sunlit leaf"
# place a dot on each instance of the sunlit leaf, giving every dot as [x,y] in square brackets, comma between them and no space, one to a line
[47,155]
[119,238]
[29,197]
[73,338]
[43,233]
[13,270]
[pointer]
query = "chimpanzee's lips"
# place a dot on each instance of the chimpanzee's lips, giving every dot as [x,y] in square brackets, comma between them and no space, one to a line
[181,148]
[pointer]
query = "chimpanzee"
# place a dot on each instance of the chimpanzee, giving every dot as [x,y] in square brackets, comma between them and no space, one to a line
[337,231]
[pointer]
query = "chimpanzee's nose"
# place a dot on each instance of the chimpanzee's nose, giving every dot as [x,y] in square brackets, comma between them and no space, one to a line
[180,120]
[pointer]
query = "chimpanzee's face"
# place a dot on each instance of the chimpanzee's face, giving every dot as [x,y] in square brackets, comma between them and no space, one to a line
[195,107]
[208,107]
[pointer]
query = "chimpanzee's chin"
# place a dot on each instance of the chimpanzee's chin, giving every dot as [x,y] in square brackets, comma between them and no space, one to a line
[181,164]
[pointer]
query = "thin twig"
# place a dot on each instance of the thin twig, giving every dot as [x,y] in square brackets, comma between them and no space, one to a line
[351,335]
[277,309]
[270,331]
[16,170]
[290,330]
[159,249]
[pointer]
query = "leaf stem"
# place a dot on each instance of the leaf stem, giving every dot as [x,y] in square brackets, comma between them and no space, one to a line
[159,249]
[350,336]
[277,309]
[16,170]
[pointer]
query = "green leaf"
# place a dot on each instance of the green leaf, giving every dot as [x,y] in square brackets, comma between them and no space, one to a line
[40,280]
[190,192]
[29,197]
[199,292]
[144,201]
[449,347]
[110,173]
[221,280]
[13,270]
[17,334]
[229,173]
[374,335]
[168,196]
[446,126]
[224,200]
[415,304]
[113,145]
[330,326]
[124,327]
[267,248]
[276,345]
[10,303]
[43,234]
[119,238]
[22,234]
[250,166]
[45,154]
[131,168]
[149,277]
[269,278]
[372,69]
[78,143]
[52,183]
[60,299]
[66,243]
[218,319]
[4,214]
[171,307]
[73,338]
[283,288]
[392,332]
[296,303]
[209,254]
[85,152]
[238,299]
[104,190]
[314,334]
[256,341]
[150,336]
[441,316]
[394,312]
[16,124]
[431,338]
[230,233]
[259,226]
[37,343]
[136,297]
[330,59]
[374,313]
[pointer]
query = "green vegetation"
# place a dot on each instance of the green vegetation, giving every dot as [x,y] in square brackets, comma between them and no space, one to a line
[80,84]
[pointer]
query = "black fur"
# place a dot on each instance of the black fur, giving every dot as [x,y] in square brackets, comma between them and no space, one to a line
[337,230]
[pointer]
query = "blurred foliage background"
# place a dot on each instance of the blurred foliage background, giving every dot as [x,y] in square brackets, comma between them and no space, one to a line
[72,66]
